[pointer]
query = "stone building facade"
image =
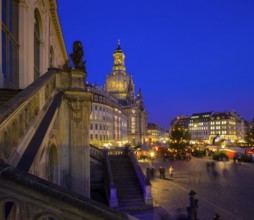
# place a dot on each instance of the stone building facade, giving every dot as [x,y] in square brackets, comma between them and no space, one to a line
[199,126]
[120,85]
[45,128]
[33,135]
[108,123]
[205,126]
[31,41]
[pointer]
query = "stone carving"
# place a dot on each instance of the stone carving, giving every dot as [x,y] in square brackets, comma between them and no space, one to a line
[77,56]
[77,109]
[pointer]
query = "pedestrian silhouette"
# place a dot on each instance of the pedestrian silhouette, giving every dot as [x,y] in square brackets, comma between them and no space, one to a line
[152,173]
[161,172]
[234,159]
[171,171]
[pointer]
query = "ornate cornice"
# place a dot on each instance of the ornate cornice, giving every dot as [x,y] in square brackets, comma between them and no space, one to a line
[57,25]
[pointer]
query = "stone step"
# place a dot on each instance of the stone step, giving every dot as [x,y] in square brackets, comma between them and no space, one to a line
[134,208]
[125,176]
[131,206]
[126,181]
[131,191]
[122,168]
[7,94]
[130,195]
[131,202]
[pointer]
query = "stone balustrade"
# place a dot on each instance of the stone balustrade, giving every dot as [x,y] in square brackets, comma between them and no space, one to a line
[28,197]
[20,116]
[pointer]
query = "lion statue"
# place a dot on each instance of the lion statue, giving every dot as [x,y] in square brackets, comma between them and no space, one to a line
[77,56]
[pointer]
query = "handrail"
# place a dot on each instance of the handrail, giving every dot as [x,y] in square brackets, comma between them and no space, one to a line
[145,183]
[96,152]
[35,143]
[111,188]
[108,169]
[9,107]
[138,170]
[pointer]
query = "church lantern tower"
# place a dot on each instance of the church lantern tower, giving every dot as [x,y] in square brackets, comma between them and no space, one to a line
[117,83]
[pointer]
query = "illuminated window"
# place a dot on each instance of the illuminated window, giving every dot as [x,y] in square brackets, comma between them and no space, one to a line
[133,125]
[37,41]
[51,57]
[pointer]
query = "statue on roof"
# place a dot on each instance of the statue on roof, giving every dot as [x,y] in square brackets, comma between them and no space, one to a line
[77,56]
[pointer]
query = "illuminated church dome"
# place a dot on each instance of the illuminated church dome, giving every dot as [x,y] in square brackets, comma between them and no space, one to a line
[119,82]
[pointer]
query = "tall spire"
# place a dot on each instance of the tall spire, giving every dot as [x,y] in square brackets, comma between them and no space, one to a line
[118,49]
[140,101]
[130,85]
[139,94]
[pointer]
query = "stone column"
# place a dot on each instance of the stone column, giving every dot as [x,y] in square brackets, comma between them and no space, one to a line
[79,105]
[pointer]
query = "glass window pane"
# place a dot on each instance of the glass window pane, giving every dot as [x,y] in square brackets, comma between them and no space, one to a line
[4,54]
[4,16]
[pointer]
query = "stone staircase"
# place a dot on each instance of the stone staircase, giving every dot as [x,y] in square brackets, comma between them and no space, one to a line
[129,192]
[7,94]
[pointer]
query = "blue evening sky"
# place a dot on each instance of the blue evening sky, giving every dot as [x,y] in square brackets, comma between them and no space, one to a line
[187,56]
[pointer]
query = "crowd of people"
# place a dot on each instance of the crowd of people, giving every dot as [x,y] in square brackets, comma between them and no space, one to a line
[151,172]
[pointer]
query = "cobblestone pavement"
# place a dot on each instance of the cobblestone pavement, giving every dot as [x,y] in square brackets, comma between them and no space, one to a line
[228,189]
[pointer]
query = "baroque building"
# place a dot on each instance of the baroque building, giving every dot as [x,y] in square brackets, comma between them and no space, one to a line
[108,124]
[46,161]
[33,136]
[120,85]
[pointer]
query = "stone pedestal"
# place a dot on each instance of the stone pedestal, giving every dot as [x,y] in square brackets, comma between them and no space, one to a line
[78,79]
[79,107]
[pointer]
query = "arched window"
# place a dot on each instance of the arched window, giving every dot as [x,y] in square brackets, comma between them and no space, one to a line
[10,44]
[36,45]
[133,124]
[10,210]
[51,57]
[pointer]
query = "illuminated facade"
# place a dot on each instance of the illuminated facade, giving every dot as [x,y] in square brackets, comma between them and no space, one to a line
[119,82]
[227,125]
[120,85]
[180,122]
[199,126]
[205,126]
[154,133]
[108,125]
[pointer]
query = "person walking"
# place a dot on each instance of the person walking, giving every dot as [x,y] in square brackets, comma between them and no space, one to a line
[234,159]
[171,171]
[161,172]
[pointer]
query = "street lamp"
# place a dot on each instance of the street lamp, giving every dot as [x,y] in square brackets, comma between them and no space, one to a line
[152,155]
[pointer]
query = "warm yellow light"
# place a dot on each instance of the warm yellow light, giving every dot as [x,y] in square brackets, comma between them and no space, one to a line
[152,154]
